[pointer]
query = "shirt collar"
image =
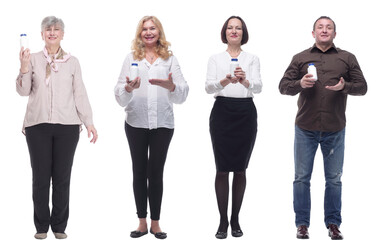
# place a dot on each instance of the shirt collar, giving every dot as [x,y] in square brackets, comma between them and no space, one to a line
[157,62]
[314,48]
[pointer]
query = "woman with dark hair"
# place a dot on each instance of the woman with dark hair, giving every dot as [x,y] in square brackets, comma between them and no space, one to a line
[149,125]
[233,119]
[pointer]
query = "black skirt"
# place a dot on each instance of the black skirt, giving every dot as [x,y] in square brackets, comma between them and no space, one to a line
[233,130]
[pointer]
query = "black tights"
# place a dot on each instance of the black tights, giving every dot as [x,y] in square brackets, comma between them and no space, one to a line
[222,192]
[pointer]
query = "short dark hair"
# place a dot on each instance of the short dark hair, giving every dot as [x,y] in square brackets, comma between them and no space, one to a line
[245,35]
[324,17]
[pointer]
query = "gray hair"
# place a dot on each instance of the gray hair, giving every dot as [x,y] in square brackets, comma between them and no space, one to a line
[52,21]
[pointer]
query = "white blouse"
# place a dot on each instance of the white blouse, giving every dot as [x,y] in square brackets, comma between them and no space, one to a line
[219,66]
[151,106]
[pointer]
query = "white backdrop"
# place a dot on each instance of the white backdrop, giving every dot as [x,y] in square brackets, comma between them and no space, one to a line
[99,34]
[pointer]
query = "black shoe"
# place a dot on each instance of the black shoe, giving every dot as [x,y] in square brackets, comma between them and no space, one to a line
[221,235]
[137,234]
[237,233]
[303,232]
[159,235]
[333,232]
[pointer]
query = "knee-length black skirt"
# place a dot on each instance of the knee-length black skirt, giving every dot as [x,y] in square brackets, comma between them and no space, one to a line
[233,130]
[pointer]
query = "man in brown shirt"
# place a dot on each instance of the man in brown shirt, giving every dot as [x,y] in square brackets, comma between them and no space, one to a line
[321,120]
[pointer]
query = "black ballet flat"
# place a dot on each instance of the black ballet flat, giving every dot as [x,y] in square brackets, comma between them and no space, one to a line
[221,235]
[137,234]
[159,235]
[237,233]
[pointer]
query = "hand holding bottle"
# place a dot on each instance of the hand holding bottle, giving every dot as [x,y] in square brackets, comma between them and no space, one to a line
[25,58]
[131,85]
[240,75]
[307,81]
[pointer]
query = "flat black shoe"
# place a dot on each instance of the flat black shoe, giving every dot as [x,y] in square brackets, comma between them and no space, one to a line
[237,233]
[159,235]
[221,235]
[137,234]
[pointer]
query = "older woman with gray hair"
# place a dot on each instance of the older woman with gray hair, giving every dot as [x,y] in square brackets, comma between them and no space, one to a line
[57,107]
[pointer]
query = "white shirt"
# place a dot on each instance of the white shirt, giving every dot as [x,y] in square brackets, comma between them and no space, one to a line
[151,106]
[219,66]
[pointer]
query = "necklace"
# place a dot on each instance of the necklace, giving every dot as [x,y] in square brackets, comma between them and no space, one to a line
[152,58]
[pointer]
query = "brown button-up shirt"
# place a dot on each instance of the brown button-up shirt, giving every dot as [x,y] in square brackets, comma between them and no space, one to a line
[320,109]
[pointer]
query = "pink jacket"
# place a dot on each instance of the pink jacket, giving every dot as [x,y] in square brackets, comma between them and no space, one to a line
[63,101]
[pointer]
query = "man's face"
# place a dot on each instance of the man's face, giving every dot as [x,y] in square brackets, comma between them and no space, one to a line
[324,32]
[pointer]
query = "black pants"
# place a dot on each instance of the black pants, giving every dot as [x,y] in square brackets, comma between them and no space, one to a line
[51,149]
[148,149]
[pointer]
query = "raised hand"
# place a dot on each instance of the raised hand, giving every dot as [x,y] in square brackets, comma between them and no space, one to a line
[25,58]
[131,85]
[165,83]
[338,87]
[307,81]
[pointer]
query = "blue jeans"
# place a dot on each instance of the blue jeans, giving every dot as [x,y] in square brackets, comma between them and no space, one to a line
[305,147]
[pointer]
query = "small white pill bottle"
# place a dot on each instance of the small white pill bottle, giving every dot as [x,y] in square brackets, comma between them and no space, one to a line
[23,41]
[313,71]
[133,71]
[233,65]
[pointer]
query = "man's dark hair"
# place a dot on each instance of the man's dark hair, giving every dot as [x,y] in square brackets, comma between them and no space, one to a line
[324,17]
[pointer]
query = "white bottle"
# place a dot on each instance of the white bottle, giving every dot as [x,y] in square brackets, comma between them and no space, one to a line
[233,65]
[23,41]
[313,71]
[133,71]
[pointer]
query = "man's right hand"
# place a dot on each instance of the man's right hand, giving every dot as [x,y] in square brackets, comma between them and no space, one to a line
[307,81]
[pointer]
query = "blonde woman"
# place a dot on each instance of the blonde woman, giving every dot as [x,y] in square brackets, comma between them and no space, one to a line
[149,125]
[58,105]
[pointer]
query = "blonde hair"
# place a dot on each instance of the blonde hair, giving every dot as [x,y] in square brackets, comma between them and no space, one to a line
[162,48]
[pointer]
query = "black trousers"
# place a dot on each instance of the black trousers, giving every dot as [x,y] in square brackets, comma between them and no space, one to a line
[51,149]
[148,149]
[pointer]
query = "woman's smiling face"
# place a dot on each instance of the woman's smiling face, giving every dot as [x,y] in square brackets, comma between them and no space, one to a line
[150,33]
[234,32]
[52,35]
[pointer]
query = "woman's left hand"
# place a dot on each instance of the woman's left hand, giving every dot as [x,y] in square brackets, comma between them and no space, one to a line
[165,83]
[92,131]
[241,77]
